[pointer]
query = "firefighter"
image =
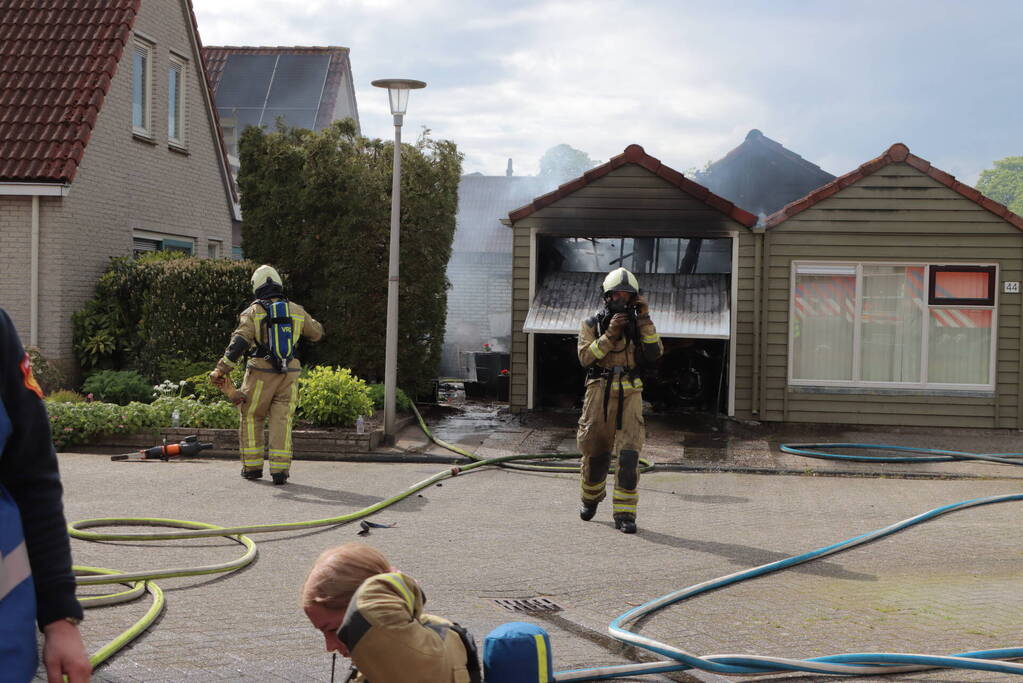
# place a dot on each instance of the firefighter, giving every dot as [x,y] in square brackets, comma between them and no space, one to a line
[268,331]
[369,611]
[614,346]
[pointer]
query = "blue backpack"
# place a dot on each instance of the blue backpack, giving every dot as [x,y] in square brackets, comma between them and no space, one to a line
[517,652]
[280,334]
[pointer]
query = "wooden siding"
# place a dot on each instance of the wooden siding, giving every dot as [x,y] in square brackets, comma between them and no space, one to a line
[632,201]
[895,214]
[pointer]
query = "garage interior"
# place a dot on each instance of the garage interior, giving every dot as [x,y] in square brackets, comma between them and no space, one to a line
[687,282]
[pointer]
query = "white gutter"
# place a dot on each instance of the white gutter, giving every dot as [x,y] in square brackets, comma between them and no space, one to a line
[34,189]
[33,325]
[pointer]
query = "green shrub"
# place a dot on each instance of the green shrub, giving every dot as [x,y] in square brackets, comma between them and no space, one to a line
[199,386]
[192,413]
[168,317]
[402,404]
[118,386]
[333,397]
[49,376]
[177,369]
[78,423]
[65,396]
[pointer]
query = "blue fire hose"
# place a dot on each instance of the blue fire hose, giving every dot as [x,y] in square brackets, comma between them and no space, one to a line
[850,664]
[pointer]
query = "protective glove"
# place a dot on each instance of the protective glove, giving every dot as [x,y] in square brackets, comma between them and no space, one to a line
[642,307]
[617,326]
[217,377]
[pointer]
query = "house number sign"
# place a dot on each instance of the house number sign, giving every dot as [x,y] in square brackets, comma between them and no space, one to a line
[1011,287]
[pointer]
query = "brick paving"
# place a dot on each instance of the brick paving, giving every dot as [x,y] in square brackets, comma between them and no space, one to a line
[950,585]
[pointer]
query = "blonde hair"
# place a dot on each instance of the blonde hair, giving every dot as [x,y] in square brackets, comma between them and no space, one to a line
[338,572]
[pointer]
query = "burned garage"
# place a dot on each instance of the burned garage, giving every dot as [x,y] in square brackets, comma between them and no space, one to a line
[683,243]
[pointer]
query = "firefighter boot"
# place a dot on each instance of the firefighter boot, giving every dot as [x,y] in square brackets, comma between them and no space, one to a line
[279,478]
[587,510]
[626,525]
[252,474]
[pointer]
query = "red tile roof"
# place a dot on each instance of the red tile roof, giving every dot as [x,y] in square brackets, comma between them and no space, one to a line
[57,60]
[634,154]
[897,153]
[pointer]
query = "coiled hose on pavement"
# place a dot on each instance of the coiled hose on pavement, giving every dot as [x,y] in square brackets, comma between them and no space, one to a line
[141,582]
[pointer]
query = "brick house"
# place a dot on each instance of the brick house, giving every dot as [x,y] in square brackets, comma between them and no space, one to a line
[109,145]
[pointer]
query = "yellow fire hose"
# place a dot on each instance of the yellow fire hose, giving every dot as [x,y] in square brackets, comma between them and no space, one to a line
[141,582]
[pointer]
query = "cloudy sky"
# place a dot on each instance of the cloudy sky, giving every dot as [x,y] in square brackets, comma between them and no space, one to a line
[836,82]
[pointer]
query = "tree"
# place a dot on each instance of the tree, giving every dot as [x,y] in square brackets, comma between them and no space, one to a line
[317,205]
[563,162]
[1004,183]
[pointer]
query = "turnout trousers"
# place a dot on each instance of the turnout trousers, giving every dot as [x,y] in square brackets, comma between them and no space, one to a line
[274,395]
[600,441]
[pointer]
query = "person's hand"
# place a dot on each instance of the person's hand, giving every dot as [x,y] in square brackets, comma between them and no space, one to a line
[64,653]
[217,377]
[617,326]
[642,307]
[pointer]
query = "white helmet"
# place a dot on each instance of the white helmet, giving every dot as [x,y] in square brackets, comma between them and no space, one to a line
[265,275]
[620,280]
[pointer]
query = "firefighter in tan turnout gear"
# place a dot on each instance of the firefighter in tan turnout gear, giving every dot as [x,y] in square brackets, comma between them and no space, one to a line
[371,612]
[614,346]
[267,333]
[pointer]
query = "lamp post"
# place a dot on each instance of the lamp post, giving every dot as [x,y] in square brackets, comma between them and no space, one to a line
[398,90]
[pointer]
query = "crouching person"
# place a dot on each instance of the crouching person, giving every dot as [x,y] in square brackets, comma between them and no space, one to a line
[372,613]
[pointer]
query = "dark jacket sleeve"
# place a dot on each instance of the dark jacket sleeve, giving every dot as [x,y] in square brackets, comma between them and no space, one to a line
[28,469]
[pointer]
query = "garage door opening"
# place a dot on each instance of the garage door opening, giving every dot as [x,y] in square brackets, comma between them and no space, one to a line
[687,283]
[691,376]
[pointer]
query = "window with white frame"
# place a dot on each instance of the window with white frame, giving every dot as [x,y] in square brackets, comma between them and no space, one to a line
[141,87]
[176,101]
[213,249]
[909,325]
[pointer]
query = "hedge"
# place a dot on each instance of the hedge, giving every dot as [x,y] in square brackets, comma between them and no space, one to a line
[317,205]
[162,315]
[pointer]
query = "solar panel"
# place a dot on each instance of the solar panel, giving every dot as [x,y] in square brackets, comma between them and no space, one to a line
[298,81]
[245,81]
[256,89]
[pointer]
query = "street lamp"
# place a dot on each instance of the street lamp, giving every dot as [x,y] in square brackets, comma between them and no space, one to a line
[398,90]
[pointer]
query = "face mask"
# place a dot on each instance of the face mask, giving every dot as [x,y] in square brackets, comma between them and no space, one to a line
[617,306]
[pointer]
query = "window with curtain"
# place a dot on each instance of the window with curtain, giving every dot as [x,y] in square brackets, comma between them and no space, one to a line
[908,325]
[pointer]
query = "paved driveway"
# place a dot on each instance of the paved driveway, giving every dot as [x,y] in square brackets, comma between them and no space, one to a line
[952,585]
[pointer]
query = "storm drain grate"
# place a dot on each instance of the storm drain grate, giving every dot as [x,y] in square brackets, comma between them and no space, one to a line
[528,604]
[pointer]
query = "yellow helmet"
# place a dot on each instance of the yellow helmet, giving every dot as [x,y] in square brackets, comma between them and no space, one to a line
[265,275]
[620,280]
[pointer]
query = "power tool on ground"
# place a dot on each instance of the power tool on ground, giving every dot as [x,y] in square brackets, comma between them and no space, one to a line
[188,446]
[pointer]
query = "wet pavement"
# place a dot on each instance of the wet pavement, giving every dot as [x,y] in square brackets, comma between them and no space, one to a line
[692,442]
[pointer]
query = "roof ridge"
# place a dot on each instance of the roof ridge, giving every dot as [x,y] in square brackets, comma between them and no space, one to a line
[278,47]
[755,136]
[635,154]
[897,153]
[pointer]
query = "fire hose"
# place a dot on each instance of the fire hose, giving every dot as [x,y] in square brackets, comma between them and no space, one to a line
[142,582]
